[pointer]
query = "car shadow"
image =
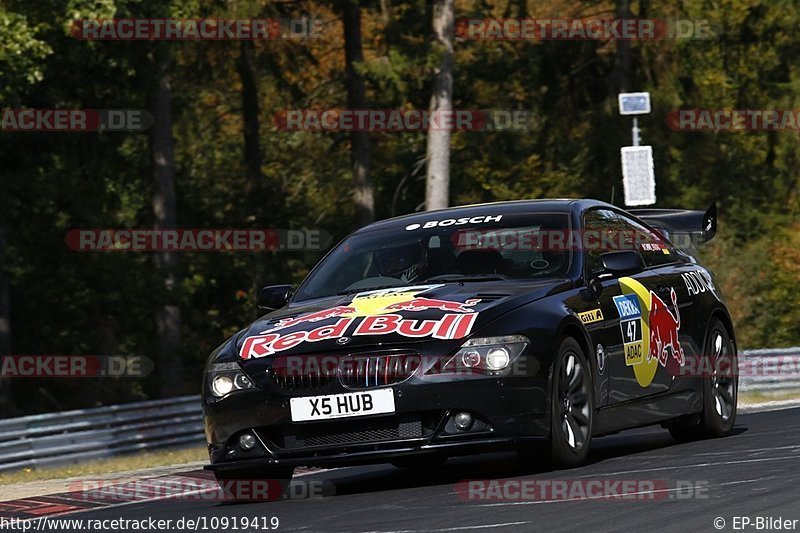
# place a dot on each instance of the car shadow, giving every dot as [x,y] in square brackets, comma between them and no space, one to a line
[497,466]
[384,477]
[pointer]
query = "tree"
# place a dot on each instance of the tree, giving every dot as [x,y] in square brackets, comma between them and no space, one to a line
[168,314]
[356,99]
[22,54]
[620,76]
[437,187]
[250,114]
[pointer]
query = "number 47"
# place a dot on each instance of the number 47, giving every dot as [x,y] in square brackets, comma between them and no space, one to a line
[632,330]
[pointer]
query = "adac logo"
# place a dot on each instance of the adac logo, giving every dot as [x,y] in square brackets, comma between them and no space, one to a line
[649,330]
[379,312]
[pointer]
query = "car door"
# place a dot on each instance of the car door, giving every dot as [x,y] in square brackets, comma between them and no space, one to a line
[625,301]
[678,332]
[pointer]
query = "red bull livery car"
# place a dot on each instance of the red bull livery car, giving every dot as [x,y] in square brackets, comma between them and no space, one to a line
[530,326]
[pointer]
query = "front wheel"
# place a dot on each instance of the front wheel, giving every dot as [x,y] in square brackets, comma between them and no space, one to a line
[262,484]
[720,392]
[572,406]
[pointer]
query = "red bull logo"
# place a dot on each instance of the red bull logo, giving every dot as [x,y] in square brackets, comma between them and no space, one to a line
[664,329]
[333,312]
[379,315]
[449,326]
[423,304]
[380,302]
[649,331]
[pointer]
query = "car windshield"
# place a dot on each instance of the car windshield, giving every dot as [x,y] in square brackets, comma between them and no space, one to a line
[467,249]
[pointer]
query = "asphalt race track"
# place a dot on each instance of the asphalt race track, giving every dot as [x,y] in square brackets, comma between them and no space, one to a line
[752,473]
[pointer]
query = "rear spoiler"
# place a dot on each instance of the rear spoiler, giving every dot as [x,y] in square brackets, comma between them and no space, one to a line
[681,225]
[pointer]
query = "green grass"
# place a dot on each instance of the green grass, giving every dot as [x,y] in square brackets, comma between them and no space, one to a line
[124,463]
[761,397]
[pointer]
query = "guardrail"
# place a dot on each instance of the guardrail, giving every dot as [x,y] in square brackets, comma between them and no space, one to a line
[57,439]
[770,371]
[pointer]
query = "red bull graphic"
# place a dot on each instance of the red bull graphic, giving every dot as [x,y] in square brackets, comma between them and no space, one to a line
[423,304]
[378,302]
[333,312]
[378,312]
[664,329]
[649,330]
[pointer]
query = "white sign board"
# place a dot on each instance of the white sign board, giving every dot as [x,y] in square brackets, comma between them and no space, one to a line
[638,175]
[634,103]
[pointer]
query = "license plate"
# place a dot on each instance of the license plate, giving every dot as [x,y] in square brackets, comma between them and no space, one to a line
[349,404]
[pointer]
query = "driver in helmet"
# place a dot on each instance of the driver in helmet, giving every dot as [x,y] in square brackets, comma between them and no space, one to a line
[407,262]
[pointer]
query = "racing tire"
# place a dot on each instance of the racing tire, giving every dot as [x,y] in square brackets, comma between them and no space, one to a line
[263,484]
[571,406]
[720,392]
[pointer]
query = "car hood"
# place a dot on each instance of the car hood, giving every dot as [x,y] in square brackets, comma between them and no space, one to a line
[386,318]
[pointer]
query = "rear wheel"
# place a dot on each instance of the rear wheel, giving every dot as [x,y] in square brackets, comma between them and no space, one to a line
[572,406]
[262,484]
[720,392]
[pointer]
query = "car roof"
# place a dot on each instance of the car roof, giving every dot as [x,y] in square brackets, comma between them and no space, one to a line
[551,205]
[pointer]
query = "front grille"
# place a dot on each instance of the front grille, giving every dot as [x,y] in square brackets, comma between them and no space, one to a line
[360,371]
[305,373]
[290,376]
[364,371]
[348,433]
[304,382]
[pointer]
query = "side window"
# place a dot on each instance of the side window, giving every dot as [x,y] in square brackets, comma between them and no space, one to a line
[600,229]
[653,248]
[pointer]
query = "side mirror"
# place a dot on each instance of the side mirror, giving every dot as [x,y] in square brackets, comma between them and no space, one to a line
[710,223]
[619,263]
[274,297]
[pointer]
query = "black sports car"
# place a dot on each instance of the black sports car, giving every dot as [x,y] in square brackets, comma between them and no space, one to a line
[479,328]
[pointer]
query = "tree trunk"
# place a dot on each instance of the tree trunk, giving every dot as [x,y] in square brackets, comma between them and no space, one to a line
[250,114]
[168,314]
[6,405]
[621,74]
[363,194]
[437,186]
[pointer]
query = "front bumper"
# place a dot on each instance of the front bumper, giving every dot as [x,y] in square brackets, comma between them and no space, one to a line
[331,459]
[509,413]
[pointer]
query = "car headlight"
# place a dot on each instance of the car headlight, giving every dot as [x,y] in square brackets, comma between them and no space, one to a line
[487,355]
[225,378]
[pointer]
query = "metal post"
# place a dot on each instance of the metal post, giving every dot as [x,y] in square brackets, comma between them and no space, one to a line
[635,132]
